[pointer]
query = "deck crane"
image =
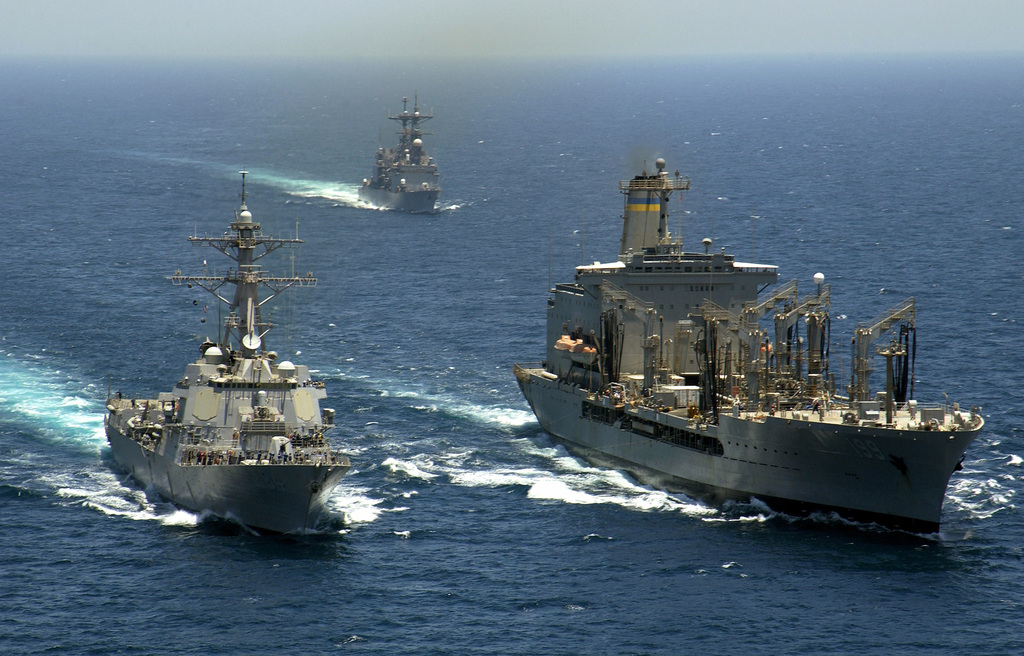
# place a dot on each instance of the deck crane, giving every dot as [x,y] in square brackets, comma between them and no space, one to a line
[900,347]
[788,354]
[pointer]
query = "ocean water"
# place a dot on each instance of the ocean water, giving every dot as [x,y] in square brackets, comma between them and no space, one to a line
[462,528]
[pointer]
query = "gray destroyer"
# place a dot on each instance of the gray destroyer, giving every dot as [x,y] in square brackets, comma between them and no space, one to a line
[241,435]
[681,368]
[404,177]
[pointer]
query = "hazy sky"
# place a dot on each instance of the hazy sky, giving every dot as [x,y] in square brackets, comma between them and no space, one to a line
[509,28]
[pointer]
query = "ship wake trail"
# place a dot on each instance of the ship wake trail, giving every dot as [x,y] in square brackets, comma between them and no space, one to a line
[47,405]
[488,415]
[455,406]
[339,193]
[555,476]
[53,442]
[570,480]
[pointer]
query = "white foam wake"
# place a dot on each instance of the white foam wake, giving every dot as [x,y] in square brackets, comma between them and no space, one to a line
[979,499]
[341,193]
[50,404]
[62,423]
[489,414]
[482,413]
[354,505]
[104,491]
[559,478]
[407,469]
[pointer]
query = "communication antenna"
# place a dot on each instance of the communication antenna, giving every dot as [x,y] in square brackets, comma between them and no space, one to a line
[549,253]
[243,173]
[582,262]
[752,218]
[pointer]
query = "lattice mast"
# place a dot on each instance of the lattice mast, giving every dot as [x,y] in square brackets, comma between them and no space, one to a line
[246,244]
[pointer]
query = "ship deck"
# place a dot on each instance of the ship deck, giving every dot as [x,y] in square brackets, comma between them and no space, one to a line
[910,416]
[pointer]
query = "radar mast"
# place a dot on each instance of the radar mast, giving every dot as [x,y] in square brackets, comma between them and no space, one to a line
[246,244]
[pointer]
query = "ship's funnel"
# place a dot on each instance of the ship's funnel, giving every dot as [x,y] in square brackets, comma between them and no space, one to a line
[645,220]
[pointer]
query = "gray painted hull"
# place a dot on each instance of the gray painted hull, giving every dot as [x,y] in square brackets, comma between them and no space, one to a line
[404,201]
[280,498]
[897,478]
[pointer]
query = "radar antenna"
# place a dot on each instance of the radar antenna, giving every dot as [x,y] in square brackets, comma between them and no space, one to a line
[243,174]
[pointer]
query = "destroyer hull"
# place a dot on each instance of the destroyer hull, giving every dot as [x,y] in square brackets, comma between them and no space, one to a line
[417,201]
[893,477]
[279,498]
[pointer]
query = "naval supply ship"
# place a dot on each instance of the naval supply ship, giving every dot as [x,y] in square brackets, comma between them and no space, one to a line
[404,177]
[697,373]
[241,435]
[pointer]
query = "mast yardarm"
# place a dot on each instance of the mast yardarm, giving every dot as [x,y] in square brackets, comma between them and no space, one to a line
[246,244]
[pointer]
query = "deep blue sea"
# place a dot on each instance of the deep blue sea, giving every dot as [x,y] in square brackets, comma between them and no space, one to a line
[461,528]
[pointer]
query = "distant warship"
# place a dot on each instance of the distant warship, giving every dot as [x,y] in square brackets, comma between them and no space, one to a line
[405,177]
[658,363]
[241,435]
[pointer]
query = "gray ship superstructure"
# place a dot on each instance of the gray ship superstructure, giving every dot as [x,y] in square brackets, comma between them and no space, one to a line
[693,372]
[241,435]
[404,177]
